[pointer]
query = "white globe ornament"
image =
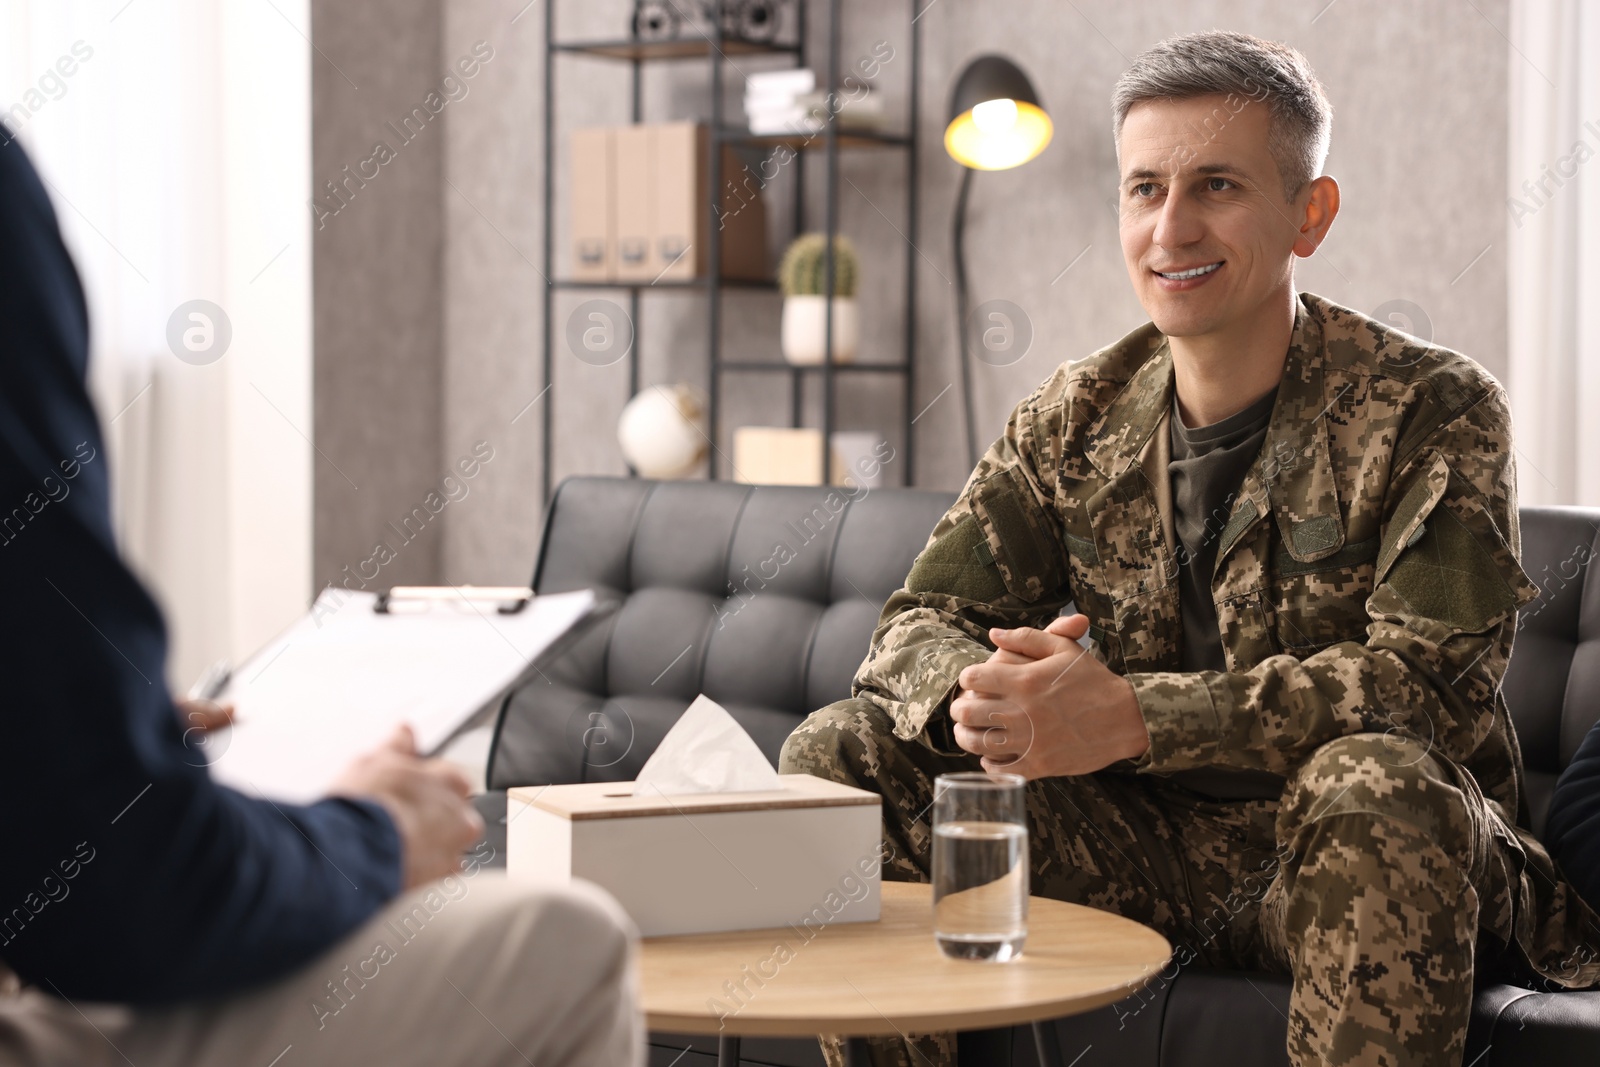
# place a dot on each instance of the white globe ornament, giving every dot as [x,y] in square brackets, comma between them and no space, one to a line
[662,431]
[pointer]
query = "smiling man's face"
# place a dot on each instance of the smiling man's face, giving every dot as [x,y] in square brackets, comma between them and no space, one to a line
[1207,234]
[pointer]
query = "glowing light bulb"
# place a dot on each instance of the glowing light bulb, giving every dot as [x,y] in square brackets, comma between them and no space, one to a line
[995,116]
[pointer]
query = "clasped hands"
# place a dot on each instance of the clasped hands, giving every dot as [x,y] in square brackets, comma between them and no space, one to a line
[1041,706]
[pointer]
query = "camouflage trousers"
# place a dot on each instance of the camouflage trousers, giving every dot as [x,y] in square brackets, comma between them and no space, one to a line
[1369,881]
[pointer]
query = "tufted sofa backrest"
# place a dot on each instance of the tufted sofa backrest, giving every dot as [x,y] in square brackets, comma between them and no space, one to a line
[765,598]
[762,597]
[1553,683]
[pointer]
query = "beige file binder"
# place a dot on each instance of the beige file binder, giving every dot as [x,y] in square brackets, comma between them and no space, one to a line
[640,203]
[680,151]
[634,179]
[593,227]
[683,194]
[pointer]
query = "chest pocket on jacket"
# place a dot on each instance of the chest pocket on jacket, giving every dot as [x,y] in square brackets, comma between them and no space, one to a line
[1023,536]
[1322,603]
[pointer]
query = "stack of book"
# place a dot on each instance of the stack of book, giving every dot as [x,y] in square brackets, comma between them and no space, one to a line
[788,101]
[772,100]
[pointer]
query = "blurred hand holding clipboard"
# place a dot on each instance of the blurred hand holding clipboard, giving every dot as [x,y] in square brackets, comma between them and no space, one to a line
[338,681]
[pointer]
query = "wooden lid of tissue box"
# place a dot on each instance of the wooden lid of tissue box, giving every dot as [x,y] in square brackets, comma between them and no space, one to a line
[614,800]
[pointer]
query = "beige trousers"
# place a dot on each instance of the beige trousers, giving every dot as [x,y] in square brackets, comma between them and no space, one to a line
[474,970]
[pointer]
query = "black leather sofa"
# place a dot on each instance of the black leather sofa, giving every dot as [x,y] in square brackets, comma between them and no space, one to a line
[709,601]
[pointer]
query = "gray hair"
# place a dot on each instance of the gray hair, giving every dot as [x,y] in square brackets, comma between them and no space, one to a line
[1223,62]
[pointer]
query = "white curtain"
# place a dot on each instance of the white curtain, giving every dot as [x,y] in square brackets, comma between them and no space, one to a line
[174,139]
[1554,228]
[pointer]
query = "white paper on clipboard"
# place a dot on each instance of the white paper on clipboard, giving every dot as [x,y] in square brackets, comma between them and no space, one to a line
[338,682]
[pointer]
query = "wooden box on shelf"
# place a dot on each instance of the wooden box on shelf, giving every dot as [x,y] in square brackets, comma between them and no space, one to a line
[780,455]
[777,455]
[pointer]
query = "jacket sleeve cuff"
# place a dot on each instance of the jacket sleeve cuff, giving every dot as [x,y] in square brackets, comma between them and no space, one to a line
[925,717]
[1182,717]
[373,823]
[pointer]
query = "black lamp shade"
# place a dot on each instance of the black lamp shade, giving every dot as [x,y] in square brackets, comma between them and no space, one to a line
[995,120]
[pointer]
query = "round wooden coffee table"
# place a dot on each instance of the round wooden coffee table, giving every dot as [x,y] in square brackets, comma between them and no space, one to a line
[888,977]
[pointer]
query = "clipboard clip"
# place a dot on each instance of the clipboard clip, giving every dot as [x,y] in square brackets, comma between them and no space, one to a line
[510,599]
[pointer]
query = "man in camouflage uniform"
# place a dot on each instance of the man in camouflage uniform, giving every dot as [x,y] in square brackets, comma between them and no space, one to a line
[1311,771]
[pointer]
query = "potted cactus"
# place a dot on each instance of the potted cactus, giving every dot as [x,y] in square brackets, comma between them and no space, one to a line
[802,277]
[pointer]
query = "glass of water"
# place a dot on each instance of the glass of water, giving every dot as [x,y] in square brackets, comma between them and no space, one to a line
[980,865]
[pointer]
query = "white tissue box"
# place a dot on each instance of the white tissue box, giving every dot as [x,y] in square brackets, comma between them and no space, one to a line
[807,854]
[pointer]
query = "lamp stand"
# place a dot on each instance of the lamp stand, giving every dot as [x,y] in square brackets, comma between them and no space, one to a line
[958,233]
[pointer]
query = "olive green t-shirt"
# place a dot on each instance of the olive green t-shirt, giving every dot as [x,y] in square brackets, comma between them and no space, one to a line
[1207,467]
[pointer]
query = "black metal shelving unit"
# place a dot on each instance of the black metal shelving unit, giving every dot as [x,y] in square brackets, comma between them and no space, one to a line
[715,50]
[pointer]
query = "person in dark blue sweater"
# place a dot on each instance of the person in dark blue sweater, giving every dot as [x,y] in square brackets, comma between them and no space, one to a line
[1573,829]
[130,878]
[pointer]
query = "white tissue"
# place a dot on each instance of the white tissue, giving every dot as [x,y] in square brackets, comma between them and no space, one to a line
[706,751]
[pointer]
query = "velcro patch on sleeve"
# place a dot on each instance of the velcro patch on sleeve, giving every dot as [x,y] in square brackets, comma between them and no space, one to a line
[1447,574]
[1027,547]
[958,563]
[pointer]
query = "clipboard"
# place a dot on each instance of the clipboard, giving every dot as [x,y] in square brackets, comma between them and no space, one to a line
[508,599]
[336,683]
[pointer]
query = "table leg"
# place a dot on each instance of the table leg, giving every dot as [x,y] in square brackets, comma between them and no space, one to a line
[727,1051]
[857,1053]
[1048,1043]
[983,1048]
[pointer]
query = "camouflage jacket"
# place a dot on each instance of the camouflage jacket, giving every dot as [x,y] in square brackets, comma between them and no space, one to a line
[1366,577]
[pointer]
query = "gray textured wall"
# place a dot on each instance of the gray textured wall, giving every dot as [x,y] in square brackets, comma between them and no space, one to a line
[378,305]
[1419,148]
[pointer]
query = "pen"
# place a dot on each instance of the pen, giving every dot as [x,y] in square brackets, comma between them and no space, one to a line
[212,681]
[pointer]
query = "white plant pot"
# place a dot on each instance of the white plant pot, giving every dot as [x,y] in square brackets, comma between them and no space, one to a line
[804,326]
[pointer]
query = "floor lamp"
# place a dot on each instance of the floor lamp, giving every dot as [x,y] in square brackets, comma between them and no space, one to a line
[995,123]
